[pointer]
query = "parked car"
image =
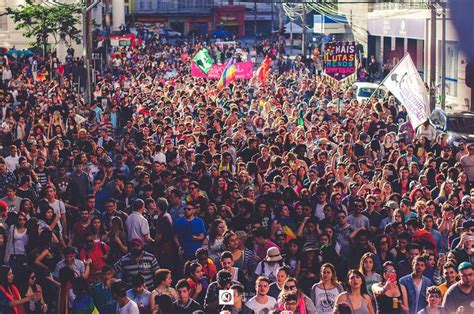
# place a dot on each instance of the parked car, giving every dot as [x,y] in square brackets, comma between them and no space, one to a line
[458,126]
[168,32]
[364,90]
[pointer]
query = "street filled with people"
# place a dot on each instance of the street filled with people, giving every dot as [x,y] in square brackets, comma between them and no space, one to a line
[167,189]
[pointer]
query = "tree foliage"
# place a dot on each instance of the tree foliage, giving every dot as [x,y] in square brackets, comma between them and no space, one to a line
[40,21]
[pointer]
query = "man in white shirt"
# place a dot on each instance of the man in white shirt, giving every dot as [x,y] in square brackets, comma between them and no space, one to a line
[137,225]
[125,305]
[467,162]
[13,160]
[261,303]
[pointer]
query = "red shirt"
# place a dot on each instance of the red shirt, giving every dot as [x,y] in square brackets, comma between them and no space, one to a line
[96,254]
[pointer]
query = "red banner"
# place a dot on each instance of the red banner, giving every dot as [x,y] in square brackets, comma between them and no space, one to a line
[243,70]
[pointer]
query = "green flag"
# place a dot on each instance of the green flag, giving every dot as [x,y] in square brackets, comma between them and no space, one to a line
[203,60]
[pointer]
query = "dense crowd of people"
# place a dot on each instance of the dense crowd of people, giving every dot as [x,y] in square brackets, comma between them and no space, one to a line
[165,190]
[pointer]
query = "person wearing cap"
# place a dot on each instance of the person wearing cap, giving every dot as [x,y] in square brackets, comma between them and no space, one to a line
[139,294]
[135,262]
[462,292]
[269,266]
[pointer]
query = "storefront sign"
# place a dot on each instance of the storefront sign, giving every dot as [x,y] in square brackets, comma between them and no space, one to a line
[243,70]
[402,28]
[339,59]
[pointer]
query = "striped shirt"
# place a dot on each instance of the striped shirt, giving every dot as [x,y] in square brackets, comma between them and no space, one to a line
[127,268]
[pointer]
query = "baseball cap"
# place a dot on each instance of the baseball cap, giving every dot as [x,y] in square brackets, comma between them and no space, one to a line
[465,265]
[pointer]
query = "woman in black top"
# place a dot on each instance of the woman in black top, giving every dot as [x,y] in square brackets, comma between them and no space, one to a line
[390,296]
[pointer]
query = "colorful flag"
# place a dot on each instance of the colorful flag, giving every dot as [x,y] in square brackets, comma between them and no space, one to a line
[203,60]
[228,75]
[263,70]
[40,76]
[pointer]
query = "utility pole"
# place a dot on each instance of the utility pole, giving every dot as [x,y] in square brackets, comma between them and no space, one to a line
[433,56]
[271,32]
[291,38]
[86,49]
[443,60]
[107,32]
[255,19]
[303,34]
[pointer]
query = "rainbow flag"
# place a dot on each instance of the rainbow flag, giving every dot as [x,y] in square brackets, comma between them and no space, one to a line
[228,75]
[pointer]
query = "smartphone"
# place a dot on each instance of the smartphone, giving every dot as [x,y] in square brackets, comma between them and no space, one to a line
[392,277]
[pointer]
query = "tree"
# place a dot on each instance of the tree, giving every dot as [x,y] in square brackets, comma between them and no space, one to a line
[40,21]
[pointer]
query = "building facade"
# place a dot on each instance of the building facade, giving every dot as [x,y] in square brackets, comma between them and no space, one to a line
[241,18]
[401,31]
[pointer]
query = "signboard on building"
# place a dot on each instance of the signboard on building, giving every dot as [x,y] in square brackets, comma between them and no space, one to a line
[339,59]
[323,24]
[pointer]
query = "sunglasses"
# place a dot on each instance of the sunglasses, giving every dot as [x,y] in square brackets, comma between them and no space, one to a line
[289,287]
[189,208]
[392,271]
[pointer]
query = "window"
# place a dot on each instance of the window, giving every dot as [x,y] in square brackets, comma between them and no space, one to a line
[451,67]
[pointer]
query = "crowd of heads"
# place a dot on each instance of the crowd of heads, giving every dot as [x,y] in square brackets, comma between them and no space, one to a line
[165,189]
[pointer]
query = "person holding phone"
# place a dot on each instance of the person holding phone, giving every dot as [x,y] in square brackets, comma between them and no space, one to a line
[390,296]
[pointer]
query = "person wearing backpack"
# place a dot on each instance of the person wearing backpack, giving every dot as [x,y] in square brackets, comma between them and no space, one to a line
[94,252]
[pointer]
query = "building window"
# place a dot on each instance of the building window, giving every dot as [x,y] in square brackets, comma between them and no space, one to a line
[451,67]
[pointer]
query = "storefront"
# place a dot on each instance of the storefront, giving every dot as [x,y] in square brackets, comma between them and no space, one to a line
[199,25]
[232,17]
[390,39]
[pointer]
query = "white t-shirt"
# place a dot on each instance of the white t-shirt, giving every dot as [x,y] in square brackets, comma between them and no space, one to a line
[258,308]
[12,162]
[58,207]
[418,292]
[129,308]
[137,226]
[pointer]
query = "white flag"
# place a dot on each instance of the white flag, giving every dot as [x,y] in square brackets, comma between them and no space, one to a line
[405,83]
